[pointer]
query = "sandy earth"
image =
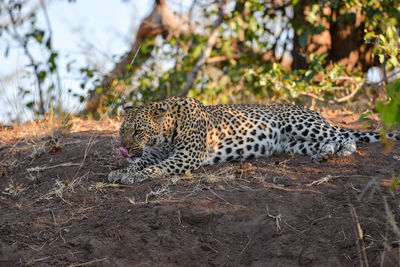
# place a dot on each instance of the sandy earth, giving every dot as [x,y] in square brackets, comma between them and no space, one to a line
[56,208]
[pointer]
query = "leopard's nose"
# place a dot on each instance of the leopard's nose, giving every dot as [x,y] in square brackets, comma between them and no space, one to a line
[124,143]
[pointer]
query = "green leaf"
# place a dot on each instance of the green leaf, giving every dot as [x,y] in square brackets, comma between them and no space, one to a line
[394,87]
[41,76]
[48,43]
[253,24]
[38,34]
[364,116]
[390,32]
[30,104]
[369,36]
[303,38]
[309,75]
[381,58]
[52,62]
[389,113]
[394,183]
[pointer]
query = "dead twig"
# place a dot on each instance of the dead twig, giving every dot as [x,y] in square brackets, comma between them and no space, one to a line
[278,219]
[38,169]
[218,195]
[57,226]
[340,100]
[57,255]
[391,218]
[87,263]
[245,247]
[325,179]
[360,233]
[88,147]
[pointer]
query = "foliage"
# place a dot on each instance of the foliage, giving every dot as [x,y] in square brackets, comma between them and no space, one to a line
[390,111]
[387,49]
[237,71]
[247,62]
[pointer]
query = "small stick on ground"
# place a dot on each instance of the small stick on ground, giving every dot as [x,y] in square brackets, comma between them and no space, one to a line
[86,263]
[38,169]
[360,243]
[321,181]
[245,247]
[57,255]
[218,195]
[278,219]
[88,146]
[57,226]
[391,219]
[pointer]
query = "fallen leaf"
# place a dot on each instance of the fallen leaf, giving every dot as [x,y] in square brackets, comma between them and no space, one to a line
[55,149]
[246,168]
[188,175]
[3,170]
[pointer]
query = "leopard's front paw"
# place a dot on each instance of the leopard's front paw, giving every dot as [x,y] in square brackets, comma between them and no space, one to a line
[125,177]
[116,176]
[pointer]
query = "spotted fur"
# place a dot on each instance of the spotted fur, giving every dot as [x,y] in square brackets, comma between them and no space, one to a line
[180,134]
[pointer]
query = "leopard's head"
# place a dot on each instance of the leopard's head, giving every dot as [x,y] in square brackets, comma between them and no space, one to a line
[142,127]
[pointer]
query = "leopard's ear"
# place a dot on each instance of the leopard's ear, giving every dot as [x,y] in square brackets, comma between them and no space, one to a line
[160,112]
[126,108]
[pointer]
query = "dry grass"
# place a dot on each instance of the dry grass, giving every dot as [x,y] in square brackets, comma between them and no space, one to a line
[37,137]
[53,128]
[46,136]
[61,187]
[14,188]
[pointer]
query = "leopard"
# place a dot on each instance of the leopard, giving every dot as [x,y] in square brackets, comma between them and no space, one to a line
[180,134]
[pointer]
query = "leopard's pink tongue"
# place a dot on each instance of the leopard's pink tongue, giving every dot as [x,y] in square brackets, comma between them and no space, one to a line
[124,152]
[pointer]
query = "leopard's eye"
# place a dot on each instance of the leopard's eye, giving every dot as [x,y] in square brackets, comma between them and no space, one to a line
[138,131]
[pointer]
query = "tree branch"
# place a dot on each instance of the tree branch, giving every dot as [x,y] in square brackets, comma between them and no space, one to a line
[207,50]
[24,44]
[340,100]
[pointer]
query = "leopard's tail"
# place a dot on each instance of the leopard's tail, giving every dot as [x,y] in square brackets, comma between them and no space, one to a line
[368,137]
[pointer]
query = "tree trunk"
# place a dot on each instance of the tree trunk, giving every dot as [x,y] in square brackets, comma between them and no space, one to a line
[343,39]
[347,38]
[298,61]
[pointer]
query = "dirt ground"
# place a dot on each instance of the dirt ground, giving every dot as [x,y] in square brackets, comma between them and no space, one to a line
[57,209]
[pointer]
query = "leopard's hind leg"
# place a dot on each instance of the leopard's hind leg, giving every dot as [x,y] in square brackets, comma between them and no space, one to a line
[320,150]
[347,147]
[320,140]
[301,147]
[341,146]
